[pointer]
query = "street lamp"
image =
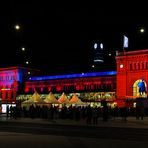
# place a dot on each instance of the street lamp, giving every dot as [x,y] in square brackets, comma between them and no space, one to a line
[23,49]
[95,46]
[109,54]
[142,30]
[27,62]
[17,27]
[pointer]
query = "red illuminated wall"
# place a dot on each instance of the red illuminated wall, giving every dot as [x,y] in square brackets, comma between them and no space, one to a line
[131,66]
[73,85]
[11,81]
[8,84]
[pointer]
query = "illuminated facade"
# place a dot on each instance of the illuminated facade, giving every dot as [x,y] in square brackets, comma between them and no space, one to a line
[132,67]
[85,82]
[98,52]
[88,85]
[11,82]
[130,80]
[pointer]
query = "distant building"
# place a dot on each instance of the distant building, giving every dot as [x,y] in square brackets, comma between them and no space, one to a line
[112,86]
[132,67]
[98,53]
[92,86]
[12,80]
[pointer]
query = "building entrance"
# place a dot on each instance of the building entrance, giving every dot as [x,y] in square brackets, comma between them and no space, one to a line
[140,88]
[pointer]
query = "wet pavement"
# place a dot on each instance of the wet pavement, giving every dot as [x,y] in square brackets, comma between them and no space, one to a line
[71,133]
[131,122]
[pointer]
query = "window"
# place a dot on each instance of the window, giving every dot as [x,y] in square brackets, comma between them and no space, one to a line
[12,77]
[136,89]
[146,65]
[6,95]
[12,86]
[12,95]
[1,78]
[45,89]
[130,66]
[38,89]
[138,66]
[135,67]
[142,65]
[7,78]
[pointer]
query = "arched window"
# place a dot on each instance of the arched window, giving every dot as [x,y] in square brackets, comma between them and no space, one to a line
[136,92]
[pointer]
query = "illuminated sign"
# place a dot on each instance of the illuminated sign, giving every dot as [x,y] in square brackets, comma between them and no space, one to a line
[5,89]
[4,107]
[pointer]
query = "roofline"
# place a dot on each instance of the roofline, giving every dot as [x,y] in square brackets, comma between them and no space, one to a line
[135,52]
[17,67]
[68,76]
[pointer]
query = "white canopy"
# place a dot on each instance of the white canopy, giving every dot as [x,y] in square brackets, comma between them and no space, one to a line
[76,100]
[63,99]
[50,98]
[34,99]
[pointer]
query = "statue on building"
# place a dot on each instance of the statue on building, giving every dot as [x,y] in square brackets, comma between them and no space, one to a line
[142,87]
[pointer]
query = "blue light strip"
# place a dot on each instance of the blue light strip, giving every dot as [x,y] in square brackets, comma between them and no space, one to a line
[68,76]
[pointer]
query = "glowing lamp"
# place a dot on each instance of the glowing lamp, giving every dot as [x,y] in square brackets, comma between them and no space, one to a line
[17,27]
[101,46]
[142,30]
[23,49]
[95,46]
[121,65]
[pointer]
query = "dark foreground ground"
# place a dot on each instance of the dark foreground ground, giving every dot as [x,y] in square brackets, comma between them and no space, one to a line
[26,132]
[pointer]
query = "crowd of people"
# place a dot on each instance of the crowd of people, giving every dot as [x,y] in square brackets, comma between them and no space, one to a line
[90,114]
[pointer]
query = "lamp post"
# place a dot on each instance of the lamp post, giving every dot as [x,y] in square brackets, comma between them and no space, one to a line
[142,30]
[27,62]
[17,27]
[23,49]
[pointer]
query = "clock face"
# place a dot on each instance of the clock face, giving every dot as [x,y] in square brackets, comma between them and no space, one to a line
[121,65]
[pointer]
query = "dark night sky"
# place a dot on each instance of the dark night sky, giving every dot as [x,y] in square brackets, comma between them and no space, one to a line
[59,37]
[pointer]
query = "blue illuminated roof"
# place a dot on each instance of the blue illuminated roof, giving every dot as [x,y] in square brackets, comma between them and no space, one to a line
[78,75]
